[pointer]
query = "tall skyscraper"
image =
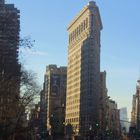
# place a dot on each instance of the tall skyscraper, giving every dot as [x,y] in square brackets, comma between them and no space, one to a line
[83,76]
[9,66]
[55,90]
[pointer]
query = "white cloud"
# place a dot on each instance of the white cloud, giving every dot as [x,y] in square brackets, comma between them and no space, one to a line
[28,51]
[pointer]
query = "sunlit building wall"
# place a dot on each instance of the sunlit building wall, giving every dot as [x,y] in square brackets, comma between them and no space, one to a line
[83,76]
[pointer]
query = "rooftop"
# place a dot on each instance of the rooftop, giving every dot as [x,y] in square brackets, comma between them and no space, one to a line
[91,3]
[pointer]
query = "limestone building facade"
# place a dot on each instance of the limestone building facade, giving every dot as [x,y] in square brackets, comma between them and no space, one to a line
[83,75]
[55,92]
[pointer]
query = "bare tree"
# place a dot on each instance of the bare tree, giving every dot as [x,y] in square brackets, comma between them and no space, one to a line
[16,105]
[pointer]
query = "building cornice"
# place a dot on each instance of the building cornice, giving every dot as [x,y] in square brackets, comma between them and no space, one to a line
[89,6]
[77,16]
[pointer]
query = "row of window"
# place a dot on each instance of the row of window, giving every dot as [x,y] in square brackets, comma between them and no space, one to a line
[73,90]
[73,102]
[78,30]
[73,73]
[72,120]
[73,97]
[74,60]
[74,80]
[84,120]
[74,66]
[71,108]
[74,86]
[72,69]
[74,48]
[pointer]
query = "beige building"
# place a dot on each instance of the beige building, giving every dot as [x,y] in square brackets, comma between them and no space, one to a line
[55,91]
[83,76]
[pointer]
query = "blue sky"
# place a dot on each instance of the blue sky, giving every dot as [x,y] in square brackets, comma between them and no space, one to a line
[46,21]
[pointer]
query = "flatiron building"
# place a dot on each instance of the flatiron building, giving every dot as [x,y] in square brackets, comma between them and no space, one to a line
[83,74]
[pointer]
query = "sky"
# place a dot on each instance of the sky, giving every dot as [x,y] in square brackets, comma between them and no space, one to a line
[46,22]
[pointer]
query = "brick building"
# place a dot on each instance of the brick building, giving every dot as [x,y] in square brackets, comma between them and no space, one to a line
[55,92]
